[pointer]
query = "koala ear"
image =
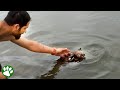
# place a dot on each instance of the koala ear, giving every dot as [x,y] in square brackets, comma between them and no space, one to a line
[79,49]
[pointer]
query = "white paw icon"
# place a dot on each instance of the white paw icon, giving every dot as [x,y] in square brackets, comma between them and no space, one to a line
[7,71]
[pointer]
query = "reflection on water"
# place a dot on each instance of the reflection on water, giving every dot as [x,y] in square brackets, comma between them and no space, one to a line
[96,32]
[60,62]
[51,74]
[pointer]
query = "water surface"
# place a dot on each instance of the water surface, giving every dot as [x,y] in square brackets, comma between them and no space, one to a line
[96,32]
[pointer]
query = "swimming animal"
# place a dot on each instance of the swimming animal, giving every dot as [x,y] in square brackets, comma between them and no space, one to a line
[76,56]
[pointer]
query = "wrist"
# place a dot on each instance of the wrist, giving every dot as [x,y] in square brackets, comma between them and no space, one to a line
[54,51]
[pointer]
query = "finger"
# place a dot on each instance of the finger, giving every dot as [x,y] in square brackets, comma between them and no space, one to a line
[69,53]
[62,56]
[66,55]
[66,50]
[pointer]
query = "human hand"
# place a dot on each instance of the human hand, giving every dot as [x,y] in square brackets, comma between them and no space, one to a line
[62,52]
[76,56]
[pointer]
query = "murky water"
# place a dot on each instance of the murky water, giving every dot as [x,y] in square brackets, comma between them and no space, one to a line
[96,32]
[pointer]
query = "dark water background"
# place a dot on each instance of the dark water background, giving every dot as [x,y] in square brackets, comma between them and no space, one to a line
[96,32]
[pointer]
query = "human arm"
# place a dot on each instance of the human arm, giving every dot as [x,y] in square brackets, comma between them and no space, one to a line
[34,46]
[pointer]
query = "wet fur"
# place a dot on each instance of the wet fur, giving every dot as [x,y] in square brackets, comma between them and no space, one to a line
[74,57]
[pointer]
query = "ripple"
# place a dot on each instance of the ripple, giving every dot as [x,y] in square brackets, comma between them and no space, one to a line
[38,33]
[94,53]
[66,44]
[101,74]
[99,37]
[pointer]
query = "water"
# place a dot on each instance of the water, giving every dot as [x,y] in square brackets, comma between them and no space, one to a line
[96,32]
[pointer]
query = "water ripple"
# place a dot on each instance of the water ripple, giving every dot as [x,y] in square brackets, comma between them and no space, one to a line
[99,37]
[94,53]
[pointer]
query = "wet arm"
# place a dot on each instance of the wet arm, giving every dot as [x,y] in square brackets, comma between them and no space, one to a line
[33,46]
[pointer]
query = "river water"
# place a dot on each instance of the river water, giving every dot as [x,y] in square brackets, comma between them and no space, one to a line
[96,32]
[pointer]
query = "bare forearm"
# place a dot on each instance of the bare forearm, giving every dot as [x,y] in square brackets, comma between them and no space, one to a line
[33,46]
[40,48]
[36,47]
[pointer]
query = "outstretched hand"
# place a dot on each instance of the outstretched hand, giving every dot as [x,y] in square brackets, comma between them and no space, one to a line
[65,54]
[62,52]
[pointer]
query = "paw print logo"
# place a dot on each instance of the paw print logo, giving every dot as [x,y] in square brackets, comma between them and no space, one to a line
[7,71]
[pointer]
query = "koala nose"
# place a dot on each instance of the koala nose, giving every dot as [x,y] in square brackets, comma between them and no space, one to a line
[83,54]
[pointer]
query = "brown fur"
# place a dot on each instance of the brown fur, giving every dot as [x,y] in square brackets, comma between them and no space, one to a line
[75,56]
